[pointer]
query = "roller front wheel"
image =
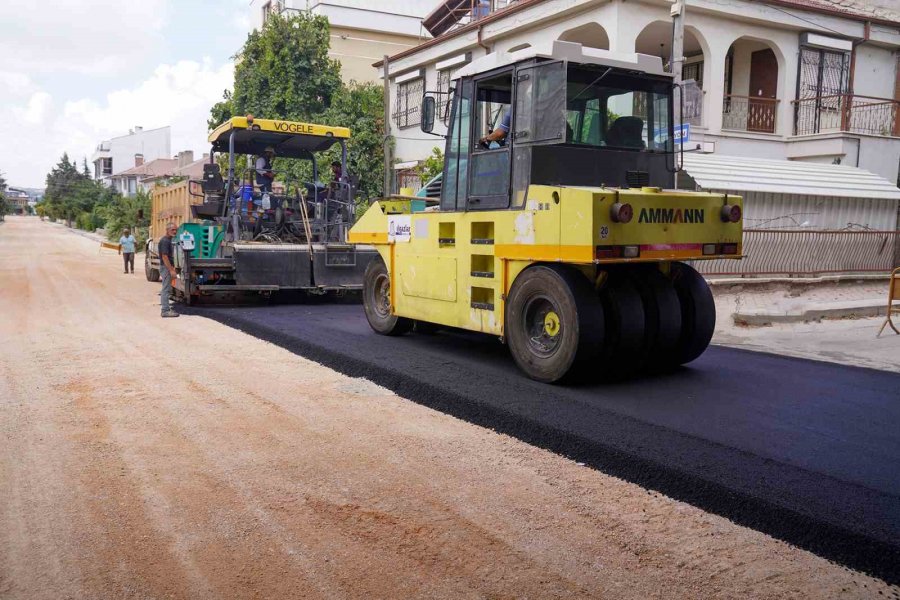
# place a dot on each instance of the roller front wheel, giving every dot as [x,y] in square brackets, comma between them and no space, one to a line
[377,301]
[554,322]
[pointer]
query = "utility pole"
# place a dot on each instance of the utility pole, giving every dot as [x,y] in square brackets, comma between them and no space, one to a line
[677,62]
[387,127]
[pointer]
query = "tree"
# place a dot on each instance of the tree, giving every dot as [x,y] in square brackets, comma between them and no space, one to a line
[360,106]
[4,205]
[61,182]
[122,213]
[85,171]
[431,166]
[75,197]
[283,72]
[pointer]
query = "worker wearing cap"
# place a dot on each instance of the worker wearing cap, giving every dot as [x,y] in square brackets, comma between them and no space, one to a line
[264,173]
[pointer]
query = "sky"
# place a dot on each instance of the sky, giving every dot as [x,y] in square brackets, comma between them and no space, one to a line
[76,72]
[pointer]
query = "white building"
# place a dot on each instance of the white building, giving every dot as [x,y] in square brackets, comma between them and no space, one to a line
[161,171]
[801,80]
[121,153]
[362,31]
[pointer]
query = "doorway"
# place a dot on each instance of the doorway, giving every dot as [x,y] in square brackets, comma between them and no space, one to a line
[763,91]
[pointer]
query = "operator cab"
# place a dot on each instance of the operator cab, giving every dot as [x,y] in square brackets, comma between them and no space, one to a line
[300,207]
[573,116]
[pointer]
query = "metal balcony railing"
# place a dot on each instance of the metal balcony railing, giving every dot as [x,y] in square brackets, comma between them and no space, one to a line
[847,112]
[810,253]
[452,14]
[750,113]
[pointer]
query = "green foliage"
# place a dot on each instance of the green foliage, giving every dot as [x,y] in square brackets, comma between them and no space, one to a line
[431,166]
[123,214]
[360,106]
[283,72]
[221,111]
[75,198]
[4,205]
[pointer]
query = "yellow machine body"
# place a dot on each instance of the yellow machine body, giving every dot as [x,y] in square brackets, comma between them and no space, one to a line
[457,268]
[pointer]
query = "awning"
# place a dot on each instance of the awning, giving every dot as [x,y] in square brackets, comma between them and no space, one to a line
[742,174]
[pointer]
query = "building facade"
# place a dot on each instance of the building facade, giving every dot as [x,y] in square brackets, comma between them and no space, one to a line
[801,80]
[125,152]
[18,200]
[161,171]
[362,32]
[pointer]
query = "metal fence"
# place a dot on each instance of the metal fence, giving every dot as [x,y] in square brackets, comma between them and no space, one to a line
[810,253]
[847,112]
[749,113]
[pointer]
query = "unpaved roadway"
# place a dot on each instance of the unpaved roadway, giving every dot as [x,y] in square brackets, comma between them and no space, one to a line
[179,458]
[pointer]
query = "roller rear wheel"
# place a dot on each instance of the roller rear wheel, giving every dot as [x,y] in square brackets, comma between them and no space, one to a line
[623,351]
[662,315]
[377,301]
[698,313]
[554,323]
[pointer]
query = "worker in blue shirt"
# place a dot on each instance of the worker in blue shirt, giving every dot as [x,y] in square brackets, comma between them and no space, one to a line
[499,134]
[126,247]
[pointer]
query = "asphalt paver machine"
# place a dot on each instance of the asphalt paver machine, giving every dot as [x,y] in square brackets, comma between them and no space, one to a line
[243,240]
[564,237]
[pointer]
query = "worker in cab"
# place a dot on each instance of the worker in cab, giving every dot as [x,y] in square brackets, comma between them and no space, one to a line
[265,176]
[498,135]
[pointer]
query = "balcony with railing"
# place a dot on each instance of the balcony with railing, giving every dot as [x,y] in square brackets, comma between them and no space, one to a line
[749,113]
[848,113]
[452,14]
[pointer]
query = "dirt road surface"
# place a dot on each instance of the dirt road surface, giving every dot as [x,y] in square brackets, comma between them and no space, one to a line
[179,458]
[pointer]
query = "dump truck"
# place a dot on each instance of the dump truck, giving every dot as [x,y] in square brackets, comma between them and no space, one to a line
[244,239]
[557,227]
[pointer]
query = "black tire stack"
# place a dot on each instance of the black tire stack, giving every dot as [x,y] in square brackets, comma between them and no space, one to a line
[632,320]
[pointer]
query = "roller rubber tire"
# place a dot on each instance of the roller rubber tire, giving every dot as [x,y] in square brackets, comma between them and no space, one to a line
[150,273]
[376,302]
[577,344]
[698,313]
[662,316]
[624,311]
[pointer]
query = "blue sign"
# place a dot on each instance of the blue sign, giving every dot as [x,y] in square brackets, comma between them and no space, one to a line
[682,134]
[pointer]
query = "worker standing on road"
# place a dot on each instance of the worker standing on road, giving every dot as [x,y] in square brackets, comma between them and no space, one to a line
[167,270]
[127,242]
[265,176]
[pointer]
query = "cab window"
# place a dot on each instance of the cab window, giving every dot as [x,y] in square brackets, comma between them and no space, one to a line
[617,110]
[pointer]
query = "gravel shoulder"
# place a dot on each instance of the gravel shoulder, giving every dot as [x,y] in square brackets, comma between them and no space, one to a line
[180,458]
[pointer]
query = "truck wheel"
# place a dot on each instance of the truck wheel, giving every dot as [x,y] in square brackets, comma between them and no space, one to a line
[662,315]
[377,301]
[698,313]
[554,323]
[623,351]
[149,272]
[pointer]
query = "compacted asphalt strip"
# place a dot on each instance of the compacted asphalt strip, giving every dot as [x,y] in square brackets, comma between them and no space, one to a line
[804,451]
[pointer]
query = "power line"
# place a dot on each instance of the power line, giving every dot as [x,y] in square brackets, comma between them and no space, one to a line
[801,18]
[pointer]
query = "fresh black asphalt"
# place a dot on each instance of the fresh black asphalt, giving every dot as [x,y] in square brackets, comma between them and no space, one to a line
[805,451]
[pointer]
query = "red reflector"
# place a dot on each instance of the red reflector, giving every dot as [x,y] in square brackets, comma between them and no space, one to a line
[729,248]
[731,213]
[609,252]
[621,213]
